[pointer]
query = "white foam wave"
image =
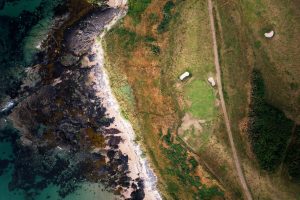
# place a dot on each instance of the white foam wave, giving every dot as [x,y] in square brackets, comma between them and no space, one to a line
[140,164]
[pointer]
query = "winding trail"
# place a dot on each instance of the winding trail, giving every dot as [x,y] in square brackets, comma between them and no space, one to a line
[241,176]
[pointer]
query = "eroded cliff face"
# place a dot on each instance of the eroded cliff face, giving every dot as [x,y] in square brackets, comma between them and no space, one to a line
[66,136]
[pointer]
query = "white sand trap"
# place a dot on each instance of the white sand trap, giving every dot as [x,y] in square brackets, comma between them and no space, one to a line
[211,80]
[184,76]
[269,34]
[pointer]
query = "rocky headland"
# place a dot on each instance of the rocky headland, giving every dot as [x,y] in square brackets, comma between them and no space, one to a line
[70,126]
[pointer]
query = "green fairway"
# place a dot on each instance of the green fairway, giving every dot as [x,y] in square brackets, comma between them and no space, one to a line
[202,99]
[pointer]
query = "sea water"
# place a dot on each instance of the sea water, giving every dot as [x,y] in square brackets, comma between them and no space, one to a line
[30,42]
[87,191]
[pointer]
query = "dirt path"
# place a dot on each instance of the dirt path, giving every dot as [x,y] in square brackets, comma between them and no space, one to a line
[241,176]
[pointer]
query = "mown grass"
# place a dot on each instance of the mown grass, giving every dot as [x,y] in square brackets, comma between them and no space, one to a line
[202,98]
[190,50]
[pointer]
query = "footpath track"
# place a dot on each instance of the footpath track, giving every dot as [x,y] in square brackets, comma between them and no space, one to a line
[238,167]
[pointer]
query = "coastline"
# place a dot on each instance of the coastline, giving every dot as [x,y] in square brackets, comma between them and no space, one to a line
[138,166]
[70,109]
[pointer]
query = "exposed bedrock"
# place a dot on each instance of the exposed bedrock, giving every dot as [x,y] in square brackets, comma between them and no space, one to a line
[79,38]
[65,133]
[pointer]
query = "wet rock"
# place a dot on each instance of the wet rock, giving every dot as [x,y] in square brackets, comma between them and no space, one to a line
[92,57]
[103,171]
[138,194]
[111,154]
[112,131]
[114,141]
[65,106]
[25,141]
[97,156]
[134,186]
[124,181]
[69,60]
[69,128]
[140,183]
[58,69]
[80,37]
[3,165]
[32,77]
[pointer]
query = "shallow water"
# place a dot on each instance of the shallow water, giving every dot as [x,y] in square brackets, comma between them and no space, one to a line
[87,191]
[17,50]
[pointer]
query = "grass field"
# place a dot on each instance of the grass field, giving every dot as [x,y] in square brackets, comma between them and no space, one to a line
[140,62]
[241,26]
[202,98]
[277,58]
[157,42]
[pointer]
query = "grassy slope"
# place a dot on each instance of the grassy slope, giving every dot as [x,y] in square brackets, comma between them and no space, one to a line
[191,50]
[244,47]
[148,64]
[277,58]
[134,52]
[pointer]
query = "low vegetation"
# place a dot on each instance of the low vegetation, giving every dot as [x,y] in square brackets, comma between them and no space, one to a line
[135,49]
[136,9]
[167,16]
[183,171]
[127,39]
[292,160]
[242,46]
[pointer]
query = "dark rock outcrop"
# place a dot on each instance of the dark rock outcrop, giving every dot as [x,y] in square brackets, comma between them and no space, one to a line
[63,125]
[80,37]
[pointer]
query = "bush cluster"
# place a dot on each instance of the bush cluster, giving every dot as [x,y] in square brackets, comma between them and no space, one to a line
[136,8]
[167,16]
[269,128]
[183,169]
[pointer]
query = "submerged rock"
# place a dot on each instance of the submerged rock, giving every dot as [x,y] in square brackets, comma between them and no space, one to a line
[3,165]
[62,110]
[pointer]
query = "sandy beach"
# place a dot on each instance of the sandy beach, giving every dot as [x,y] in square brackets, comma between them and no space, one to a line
[138,166]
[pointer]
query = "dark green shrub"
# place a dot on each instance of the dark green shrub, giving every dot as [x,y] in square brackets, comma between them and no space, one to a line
[257,44]
[167,16]
[182,168]
[136,8]
[128,39]
[269,128]
[155,49]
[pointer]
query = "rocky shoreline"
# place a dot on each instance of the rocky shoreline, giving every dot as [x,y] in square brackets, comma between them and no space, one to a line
[138,166]
[71,129]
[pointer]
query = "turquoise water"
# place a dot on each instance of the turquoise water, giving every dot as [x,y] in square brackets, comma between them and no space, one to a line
[32,42]
[8,73]
[14,9]
[7,153]
[88,191]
